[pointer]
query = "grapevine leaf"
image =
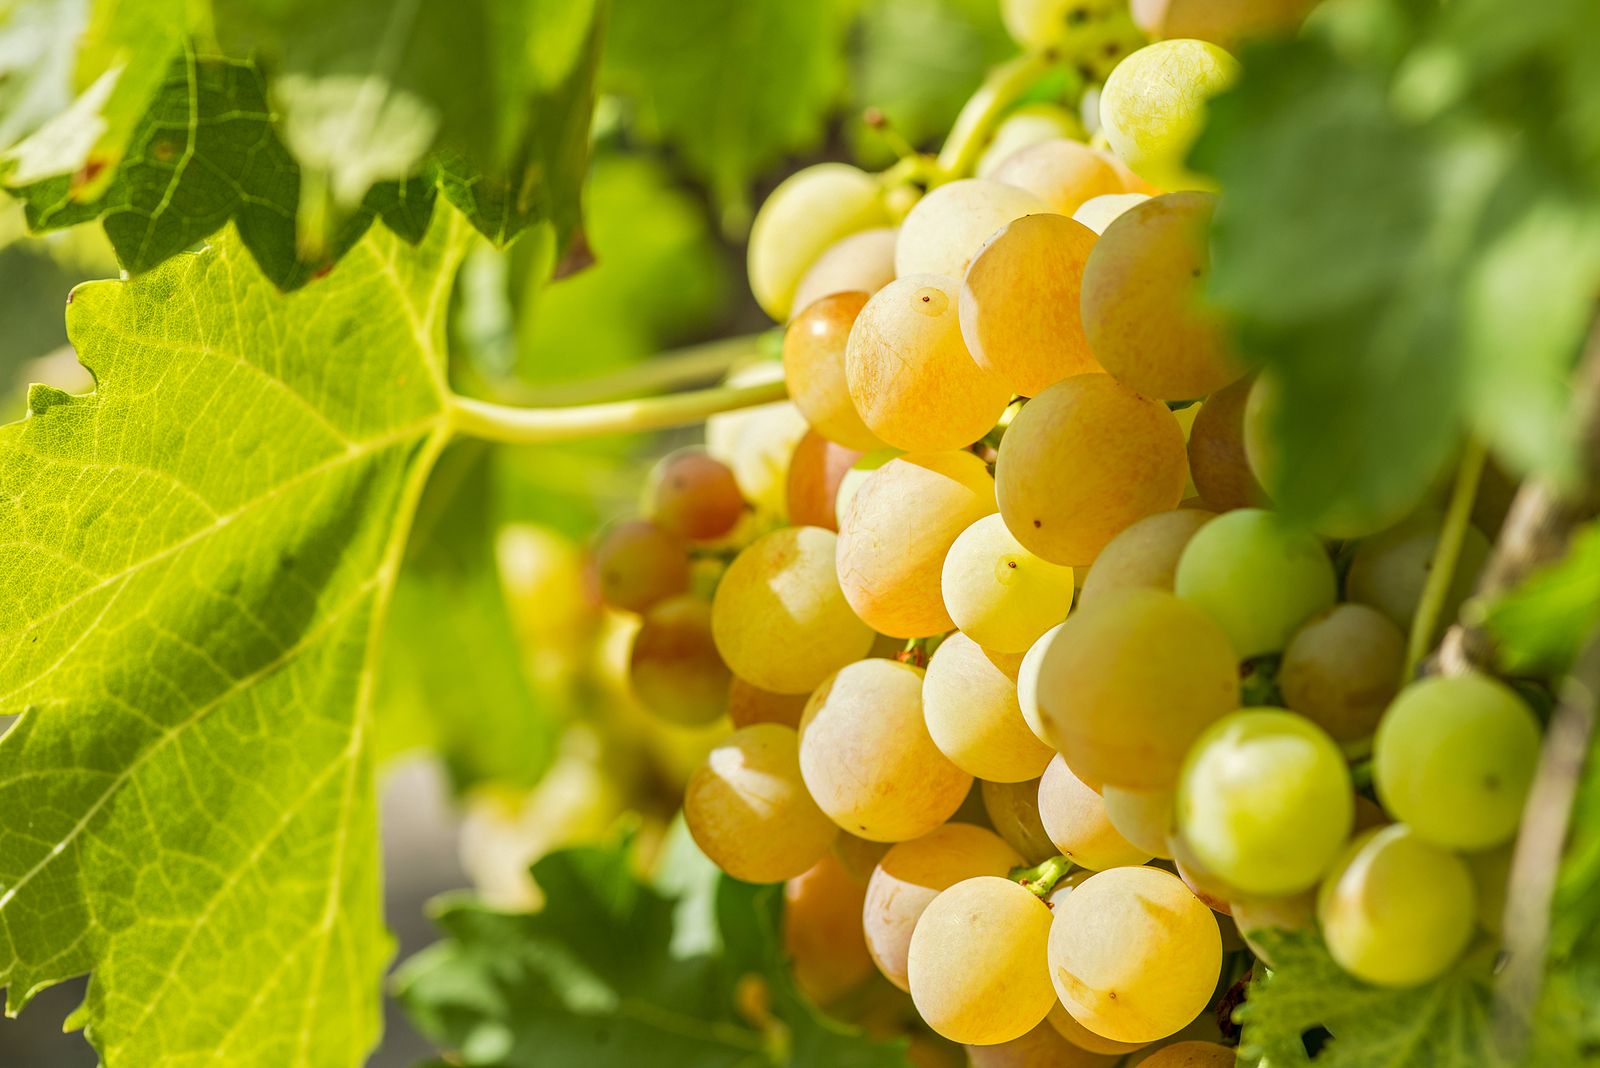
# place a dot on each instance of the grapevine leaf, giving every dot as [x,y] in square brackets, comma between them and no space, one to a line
[1543,623]
[196,558]
[614,972]
[775,69]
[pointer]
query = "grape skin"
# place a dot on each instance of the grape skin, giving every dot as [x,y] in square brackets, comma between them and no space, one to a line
[1390,569]
[1218,461]
[911,874]
[1297,912]
[1144,818]
[1062,173]
[861,262]
[1067,1026]
[1153,107]
[1099,212]
[749,705]
[1028,684]
[1075,818]
[816,471]
[1043,1047]
[638,564]
[1222,22]
[1342,669]
[969,697]
[1145,555]
[1022,128]
[1013,809]
[998,593]
[813,367]
[674,669]
[822,930]
[943,232]
[809,211]
[695,495]
[1192,1055]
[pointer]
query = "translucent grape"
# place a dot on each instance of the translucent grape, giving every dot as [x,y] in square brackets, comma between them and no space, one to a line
[1145,555]
[1265,801]
[1028,684]
[1075,819]
[1133,954]
[1023,127]
[977,962]
[809,211]
[1396,910]
[1043,1047]
[1019,303]
[1013,809]
[749,811]
[1082,460]
[1062,173]
[1099,212]
[815,473]
[779,618]
[1390,569]
[1259,578]
[1253,915]
[943,232]
[1129,682]
[1067,1026]
[1454,757]
[969,698]
[861,262]
[896,532]
[910,374]
[674,669]
[822,930]
[637,564]
[1192,1055]
[1222,22]
[1143,817]
[1142,301]
[1002,596]
[1218,462]
[749,705]
[867,756]
[694,495]
[813,366]
[911,874]
[1342,668]
[1153,107]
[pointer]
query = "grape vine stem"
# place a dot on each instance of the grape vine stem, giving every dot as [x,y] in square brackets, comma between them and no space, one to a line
[983,110]
[536,426]
[1446,555]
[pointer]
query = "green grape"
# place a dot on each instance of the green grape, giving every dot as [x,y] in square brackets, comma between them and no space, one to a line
[867,756]
[1491,876]
[1001,595]
[1142,301]
[969,698]
[1222,22]
[808,212]
[1028,684]
[1062,173]
[1043,1047]
[1099,212]
[1259,578]
[1153,107]
[779,618]
[1218,462]
[1067,1026]
[637,564]
[1040,24]
[1129,682]
[813,367]
[1013,810]
[911,874]
[816,471]
[822,930]
[1396,910]
[862,262]
[1019,303]
[1143,817]
[944,231]
[1082,460]
[1295,913]
[1454,757]
[1390,569]
[1145,555]
[1021,129]
[1342,669]
[909,373]
[674,669]
[1133,954]
[1265,800]
[977,962]
[748,810]
[694,495]
[1192,1055]
[896,532]
[748,705]
[1075,818]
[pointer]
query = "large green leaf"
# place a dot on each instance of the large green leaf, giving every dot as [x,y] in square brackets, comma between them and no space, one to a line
[197,558]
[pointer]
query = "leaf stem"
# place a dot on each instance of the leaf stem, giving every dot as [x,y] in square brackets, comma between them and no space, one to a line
[534,426]
[1442,570]
[1040,879]
[983,110]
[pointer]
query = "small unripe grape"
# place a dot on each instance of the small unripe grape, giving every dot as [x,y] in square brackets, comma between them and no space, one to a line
[969,698]
[807,213]
[695,496]
[816,471]
[813,367]
[1075,818]
[674,669]
[1060,172]
[1002,596]
[637,564]
[1145,555]
[1342,668]
[1153,107]
[858,263]
[946,228]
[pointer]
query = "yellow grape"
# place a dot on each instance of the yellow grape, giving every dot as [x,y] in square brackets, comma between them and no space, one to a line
[813,367]
[896,532]
[749,705]
[977,963]
[1013,810]
[1342,668]
[1143,817]
[1153,106]
[1145,555]
[674,669]
[943,232]
[909,373]
[822,930]
[1002,596]
[1062,173]
[1082,460]
[867,756]
[1133,954]
[749,811]
[970,700]
[1192,1055]
[809,211]
[853,478]
[779,618]
[1222,22]
[1143,309]
[1099,212]
[816,471]
[1028,125]
[1028,684]
[862,262]
[1019,303]
[1075,818]
[1129,682]
[911,874]
[1043,1047]
[1067,1026]
[1218,462]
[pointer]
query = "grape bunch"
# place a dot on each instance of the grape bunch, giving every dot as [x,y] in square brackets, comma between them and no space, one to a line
[1041,711]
